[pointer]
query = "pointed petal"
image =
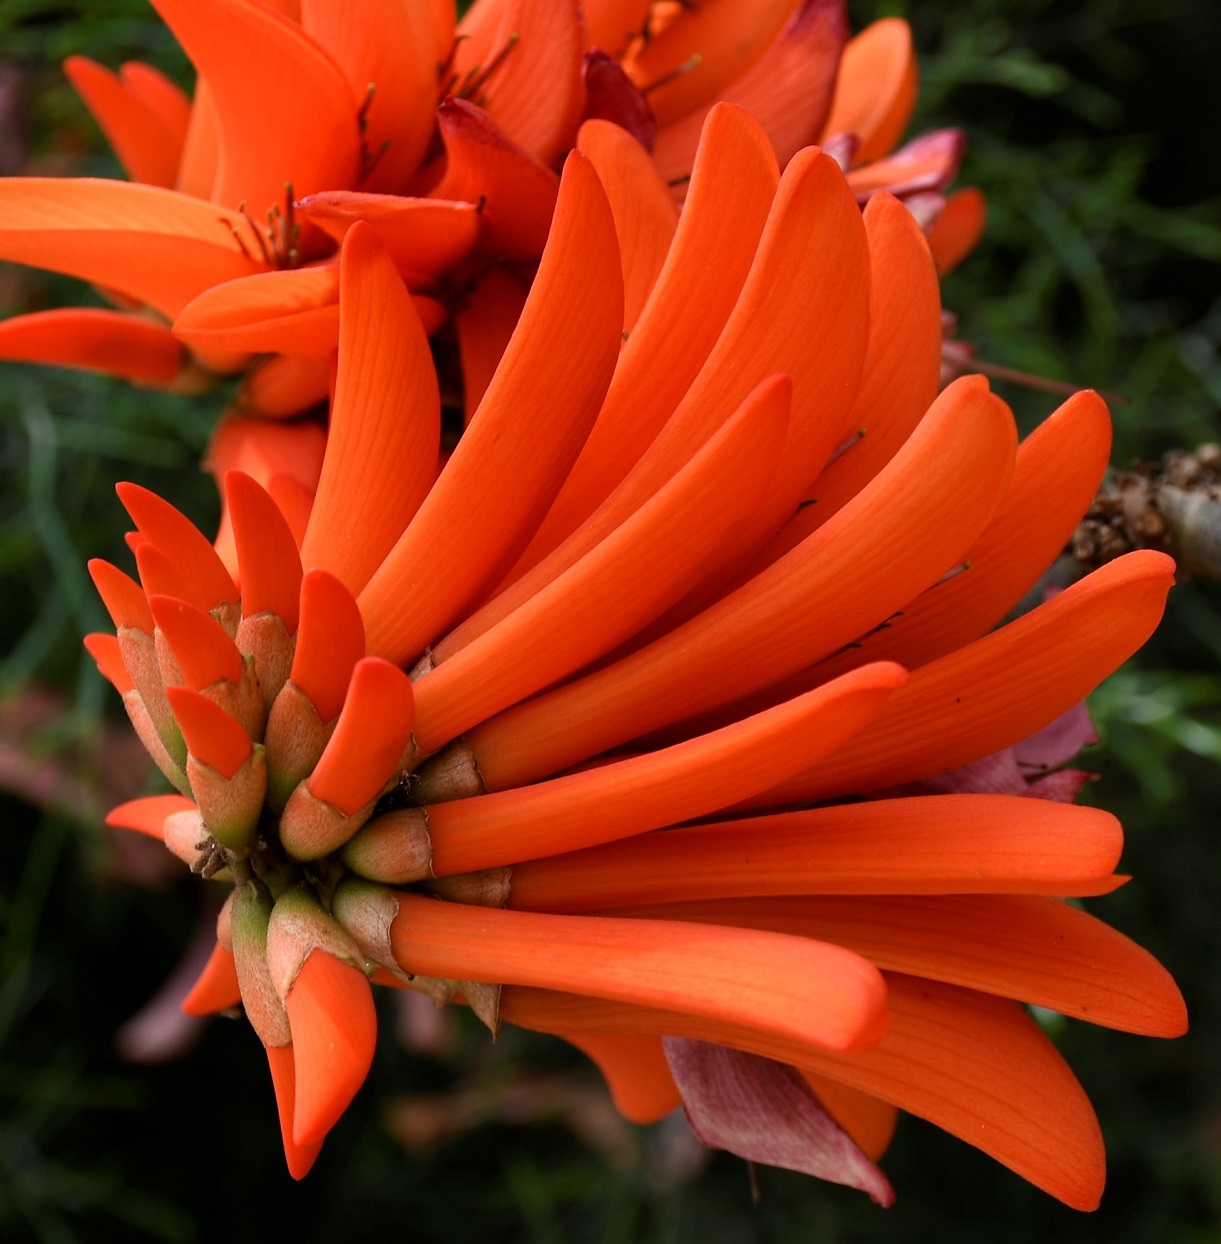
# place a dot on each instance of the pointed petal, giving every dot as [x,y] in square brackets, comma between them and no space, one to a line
[161,96]
[485,322]
[635,1070]
[211,735]
[660,788]
[330,641]
[217,988]
[105,341]
[957,231]
[201,646]
[148,815]
[283,1075]
[123,597]
[789,986]
[105,651]
[876,90]
[284,111]
[385,427]
[480,512]
[610,95]
[266,551]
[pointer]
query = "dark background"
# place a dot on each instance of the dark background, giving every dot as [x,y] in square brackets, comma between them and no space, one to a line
[1092,130]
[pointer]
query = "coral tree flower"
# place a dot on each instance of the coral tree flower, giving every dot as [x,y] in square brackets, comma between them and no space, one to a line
[309,116]
[676,610]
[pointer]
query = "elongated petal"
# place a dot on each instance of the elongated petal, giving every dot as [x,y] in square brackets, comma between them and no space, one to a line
[96,340]
[876,90]
[202,647]
[603,600]
[266,551]
[153,245]
[217,987]
[612,24]
[485,323]
[1005,686]
[957,231]
[148,815]
[161,95]
[788,986]
[147,148]
[636,1072]
[385,424]
[641,203]
[330,641]
[285,113]
[300,1158]
[897,537]
[867,1119]
[211,735]
[108,656]
[935,844]
[659,788]
[286,385]
[122,595]
[478,515]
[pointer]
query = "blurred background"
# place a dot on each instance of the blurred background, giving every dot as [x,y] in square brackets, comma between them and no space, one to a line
[1092,127]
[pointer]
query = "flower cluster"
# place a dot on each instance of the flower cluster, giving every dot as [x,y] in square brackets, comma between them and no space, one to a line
[597,727]
[309,117]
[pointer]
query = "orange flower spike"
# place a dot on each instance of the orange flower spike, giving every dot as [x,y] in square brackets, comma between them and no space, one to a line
[1005,686]
[123,597]
[299,1158]
[147,148]
[94,340]
[702,51]
[957,231]
[259,64]
[217,988]
[148,815]
[642,204]
[506,470]
[876,90]
[391,45]
[175,536]
[385,426]
[362,755]
[895,539]
[482,165]
[730,197]
[105,650]
[603,600]
[981,1069]
[202,648]
[935,844]
[153,245]
[793,987]
[659,788]
[509,47]
[330,1011]
[635,1070]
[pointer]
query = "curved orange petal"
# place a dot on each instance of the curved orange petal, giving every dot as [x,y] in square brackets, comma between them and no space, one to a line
[108,656]
[123,597]
[646,792]
[161,96]
[217,987]
[211,735]
[286,385]
[385,427]
[957,231]
[147,148]
[790,986]
[935,844]
[201,646]
[558,364]
[876,90]
[330,641]
[613,24]
[266,551]
[148,815]
[485,321]
[154,245]
[636,1072]
[284,111]
[641,203]
[300,1158]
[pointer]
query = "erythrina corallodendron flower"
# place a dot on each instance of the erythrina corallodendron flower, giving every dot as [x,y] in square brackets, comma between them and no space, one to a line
[597,729]
[445,138]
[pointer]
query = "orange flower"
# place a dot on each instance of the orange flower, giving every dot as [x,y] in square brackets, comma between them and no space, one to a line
[309,117]
[659,609]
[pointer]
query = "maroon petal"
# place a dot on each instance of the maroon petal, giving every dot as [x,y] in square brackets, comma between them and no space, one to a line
[763,1111]
[611,95]
[1058,742]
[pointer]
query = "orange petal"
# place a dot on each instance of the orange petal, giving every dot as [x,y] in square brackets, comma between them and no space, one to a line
[148,815]
[516,193]
[534,41]
[898,536]
[506,470]
[284,111]
[787,88]
[159,575]
[104,649]
[936,844]
[217,988]
[485,321]
[1004,687]
[386,49]
[789,986]
[641,203]
[659,788]
[385,426]
[286,385]
[424,238]
[197,170]
[373,729]
[211,735]
[123,597]
[201,646]
[161,95]
[295,311]
[175,536]
[957,231]
[147,148]
[153,245]
[266,551]
[635,1070]
[876,89]
[334,1026]
[330,641]
[603,599]
[284,1077]
[95,340]
[613,24]
[731,193]
[867,1119]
